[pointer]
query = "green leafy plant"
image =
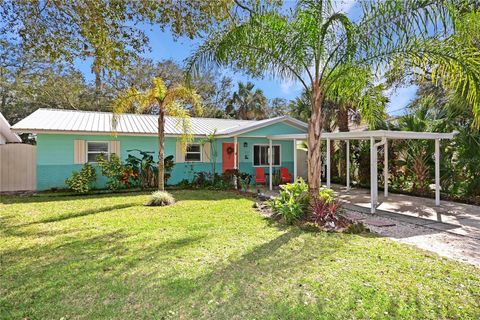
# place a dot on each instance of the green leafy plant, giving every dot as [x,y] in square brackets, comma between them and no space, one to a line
[143,166]
[113,169]
[202,179]
[145,169]
[276,178]
[160,198]
[229,176]
[244,180]
[82,181]
[211,139]
[292,202]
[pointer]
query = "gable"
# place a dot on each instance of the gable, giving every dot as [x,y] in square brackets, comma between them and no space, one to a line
[274,129]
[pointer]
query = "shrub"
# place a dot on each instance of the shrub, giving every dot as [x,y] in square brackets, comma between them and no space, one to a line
[202,179]
[230,175]
[244,180]
[160,198]
[184,184]
[292,202]
[356,228]
[82,181]
[276,178]
[113,169]
[325,208]
[129,177]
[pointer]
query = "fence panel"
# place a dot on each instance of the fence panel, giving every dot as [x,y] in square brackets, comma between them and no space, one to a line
[17,167]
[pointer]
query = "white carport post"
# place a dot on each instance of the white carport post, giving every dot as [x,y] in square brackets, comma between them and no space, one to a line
[294,159]
[235,160]
[270,161]
[348,164]
[328,163]
[437,172]
[385,169]
[373,175]
[235,155]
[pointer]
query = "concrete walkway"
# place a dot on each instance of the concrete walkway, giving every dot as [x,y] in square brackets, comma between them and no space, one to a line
[457,218]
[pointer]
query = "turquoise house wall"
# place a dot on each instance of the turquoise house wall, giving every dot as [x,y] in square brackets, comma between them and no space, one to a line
[277,128]
[55,154]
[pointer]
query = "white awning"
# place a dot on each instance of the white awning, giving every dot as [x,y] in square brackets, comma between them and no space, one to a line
[365,135]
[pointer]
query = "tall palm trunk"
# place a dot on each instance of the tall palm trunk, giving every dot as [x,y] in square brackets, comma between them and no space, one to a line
[314,142]
[161,151]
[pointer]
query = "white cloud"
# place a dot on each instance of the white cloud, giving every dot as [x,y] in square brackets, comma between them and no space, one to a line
[290,87]
[343,5]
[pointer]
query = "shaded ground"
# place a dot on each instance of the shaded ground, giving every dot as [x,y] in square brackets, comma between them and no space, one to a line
[210,256]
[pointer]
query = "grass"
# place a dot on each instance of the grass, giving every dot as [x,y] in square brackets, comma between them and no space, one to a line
[210,256]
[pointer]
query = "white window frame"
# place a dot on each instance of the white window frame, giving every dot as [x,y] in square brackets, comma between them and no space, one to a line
[199,152]
[87,152]
[267,145]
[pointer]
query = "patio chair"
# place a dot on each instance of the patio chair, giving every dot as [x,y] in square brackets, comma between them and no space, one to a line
[285,177]
[260,177]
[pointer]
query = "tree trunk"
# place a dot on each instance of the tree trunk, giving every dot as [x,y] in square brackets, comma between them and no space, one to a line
[342,120]
[161,151]
[96,69]
[314,143]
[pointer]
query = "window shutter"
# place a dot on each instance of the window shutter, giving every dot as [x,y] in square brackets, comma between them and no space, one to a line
[79,152]
[206,152]
[179,154]
[115,147]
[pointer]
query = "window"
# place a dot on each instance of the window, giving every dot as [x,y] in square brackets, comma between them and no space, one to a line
[97,148]
[260,155]
[193,152]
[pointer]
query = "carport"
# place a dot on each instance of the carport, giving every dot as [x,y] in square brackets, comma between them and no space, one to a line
[378,138]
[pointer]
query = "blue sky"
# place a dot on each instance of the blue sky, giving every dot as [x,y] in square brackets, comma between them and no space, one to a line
[164,46]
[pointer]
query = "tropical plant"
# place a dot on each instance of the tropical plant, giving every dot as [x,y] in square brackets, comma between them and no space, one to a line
[211,138]
[244,180]
[276,178]
[82,181]
[160,198]
[324,209]
[230,176]
[163,100]
[143,171]
[113,169]
[313,42]
[247,104]
[292,202]
[144,168]
[202,179]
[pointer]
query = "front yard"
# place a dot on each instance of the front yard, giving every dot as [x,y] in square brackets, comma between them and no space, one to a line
[210,256]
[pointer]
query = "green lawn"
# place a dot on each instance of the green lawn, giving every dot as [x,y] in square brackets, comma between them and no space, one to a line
[210,256]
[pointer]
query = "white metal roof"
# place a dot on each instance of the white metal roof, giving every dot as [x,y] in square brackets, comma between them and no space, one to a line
[5,130]
[88,122]
[361,135]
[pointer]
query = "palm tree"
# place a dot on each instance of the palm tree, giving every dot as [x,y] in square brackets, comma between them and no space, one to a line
[310,43]
[163,100]
[247,104]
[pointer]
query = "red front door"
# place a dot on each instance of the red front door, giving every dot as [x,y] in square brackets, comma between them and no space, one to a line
[228,159]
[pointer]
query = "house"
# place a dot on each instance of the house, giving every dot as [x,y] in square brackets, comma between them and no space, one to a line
[66,139]
[6,134]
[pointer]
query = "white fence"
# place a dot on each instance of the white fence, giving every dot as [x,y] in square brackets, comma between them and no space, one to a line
[17,167]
